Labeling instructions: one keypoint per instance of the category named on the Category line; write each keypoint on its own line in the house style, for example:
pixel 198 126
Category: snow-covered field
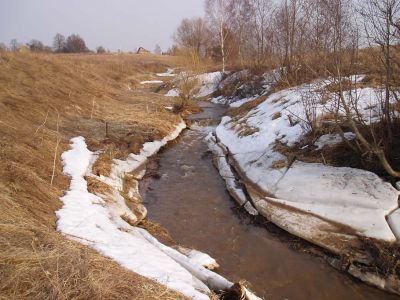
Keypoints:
pixel 100 221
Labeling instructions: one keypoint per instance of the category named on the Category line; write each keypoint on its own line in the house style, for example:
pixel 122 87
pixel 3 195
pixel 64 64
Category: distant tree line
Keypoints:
pixel 61 44
pixel 289 33
pixel 72 44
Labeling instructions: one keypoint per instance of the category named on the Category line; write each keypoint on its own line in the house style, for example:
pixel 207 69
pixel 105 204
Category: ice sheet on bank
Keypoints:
pixel 336 194
pixel 225 170
pixel 348 196
pixel 85 218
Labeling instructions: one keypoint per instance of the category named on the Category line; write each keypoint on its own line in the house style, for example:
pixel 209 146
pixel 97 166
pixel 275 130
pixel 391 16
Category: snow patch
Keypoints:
pixel 85 217
pixel 88 219
pixel 168 73
pixel 173 93
pixel 208 83
pixel 151 82
pixel 333 139
pixel 242 101
pixel 199 258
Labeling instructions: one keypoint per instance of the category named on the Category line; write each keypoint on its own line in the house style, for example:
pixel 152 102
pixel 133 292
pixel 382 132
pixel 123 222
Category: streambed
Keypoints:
pixel 189 199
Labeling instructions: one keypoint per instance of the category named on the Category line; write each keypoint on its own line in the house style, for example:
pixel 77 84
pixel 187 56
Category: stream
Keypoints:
pixel 189 199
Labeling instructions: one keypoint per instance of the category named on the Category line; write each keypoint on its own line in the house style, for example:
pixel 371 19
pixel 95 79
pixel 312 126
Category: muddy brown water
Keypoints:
pixel 189 199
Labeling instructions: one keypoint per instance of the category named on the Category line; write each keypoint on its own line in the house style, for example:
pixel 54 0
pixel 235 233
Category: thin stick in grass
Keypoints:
pixel 56 149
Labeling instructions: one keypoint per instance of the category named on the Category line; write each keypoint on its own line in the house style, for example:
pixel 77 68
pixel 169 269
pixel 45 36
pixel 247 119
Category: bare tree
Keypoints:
pixel 369 141
pixel 381 26
pixel 193 34
pixel 36 46
pixel 217 12
pixel 261 16
pixel 100 50
pixel 157 50
pixel 14 45
pixel 241 13
pixel 3 47
pixel 75 44
pixel 59 43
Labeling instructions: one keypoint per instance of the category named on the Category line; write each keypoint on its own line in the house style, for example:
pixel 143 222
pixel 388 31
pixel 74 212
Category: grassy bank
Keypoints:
pixel 44 101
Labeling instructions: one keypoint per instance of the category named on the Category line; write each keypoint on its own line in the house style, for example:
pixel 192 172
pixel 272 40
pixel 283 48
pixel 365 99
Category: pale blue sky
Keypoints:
pixel 115 24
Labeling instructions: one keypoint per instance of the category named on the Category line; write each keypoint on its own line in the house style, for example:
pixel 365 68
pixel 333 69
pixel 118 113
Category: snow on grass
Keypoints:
pixel 151 82
pixel 333 139
pixel 173 93
pixel 248 82
pixel 86 218
pixel 208 83
pixel 355 198
pixel 168 73
pixel 93 221
pixel 240 102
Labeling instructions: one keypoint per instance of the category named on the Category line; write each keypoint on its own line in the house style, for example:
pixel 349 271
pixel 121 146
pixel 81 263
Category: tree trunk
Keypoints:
pixel 221 29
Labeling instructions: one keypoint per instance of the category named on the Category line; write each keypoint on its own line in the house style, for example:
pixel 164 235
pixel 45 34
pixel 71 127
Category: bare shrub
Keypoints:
pixel 193 65
pixel 310 101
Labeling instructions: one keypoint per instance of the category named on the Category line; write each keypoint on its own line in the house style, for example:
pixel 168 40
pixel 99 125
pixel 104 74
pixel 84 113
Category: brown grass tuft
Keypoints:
pixel 98 187
pixel 158 231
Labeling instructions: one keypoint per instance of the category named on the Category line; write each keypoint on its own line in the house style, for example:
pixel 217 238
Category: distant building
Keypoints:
pixel 141 50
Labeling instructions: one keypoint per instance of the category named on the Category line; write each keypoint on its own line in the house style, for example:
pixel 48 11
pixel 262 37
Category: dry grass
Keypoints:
pixel 158 231
pixel 103 164
pixel 86 91
pixel 242 110
pixel 98 187
pixel 246 130
pixel 276 115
